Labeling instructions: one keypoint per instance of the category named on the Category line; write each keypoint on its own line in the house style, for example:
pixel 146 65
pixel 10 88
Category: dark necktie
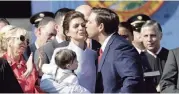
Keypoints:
pixel 100 55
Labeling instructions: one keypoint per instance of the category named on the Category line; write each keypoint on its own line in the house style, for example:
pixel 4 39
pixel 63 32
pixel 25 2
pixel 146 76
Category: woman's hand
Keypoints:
pixel 29 65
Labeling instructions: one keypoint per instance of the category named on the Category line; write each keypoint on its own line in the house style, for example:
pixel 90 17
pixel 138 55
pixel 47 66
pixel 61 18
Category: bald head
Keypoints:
pixel 85 10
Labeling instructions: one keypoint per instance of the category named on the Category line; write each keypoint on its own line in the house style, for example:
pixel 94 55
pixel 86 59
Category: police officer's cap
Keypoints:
pixel 138 20
pixel 36 18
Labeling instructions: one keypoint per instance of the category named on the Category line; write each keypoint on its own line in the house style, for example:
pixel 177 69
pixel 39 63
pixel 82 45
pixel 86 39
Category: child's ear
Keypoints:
pixel 68 66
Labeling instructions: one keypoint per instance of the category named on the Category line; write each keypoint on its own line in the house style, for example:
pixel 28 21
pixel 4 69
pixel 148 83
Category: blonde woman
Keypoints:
pixel 13 44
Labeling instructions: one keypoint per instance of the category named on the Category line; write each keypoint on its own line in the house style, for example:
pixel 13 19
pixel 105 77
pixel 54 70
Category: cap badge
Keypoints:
pixel 41 15
pixel 139 17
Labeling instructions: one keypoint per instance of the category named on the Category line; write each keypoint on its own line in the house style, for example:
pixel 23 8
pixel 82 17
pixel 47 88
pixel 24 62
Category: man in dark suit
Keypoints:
pixel 59 41
pixel 169 82
pixel 126 31
pixel 119 67
pixel 42 22
pixel 151 33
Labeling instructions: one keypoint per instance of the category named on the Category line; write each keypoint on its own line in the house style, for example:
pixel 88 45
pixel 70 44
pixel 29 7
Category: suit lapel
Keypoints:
pixel 106 51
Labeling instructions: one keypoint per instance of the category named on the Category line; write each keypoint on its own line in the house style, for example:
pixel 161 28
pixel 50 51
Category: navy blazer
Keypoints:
pixel 120 68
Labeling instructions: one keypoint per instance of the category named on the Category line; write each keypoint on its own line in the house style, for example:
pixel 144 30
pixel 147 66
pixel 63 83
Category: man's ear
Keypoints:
pixel 101 27
pixel 39 30
pixel 161 35
pixel 56 27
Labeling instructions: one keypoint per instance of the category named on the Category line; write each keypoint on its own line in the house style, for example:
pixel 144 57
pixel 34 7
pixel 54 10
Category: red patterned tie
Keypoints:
pixel 100 55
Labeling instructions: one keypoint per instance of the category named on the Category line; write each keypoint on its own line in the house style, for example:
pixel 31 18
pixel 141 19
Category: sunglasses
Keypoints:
pixel 22 38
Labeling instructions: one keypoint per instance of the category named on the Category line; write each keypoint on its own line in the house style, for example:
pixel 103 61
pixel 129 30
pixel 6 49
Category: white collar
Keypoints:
pixel 58 39
pixel 60 70
pixel 155 55
pixel 74 47
pixel 36 45
pixel 139 50
pixel 105 42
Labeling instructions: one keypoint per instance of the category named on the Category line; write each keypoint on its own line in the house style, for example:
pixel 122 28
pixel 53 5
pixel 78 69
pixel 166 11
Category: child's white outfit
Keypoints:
pixel 86 71
pixel 65 78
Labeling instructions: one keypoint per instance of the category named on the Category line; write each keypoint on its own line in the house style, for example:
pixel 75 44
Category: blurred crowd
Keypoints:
pixel 86 50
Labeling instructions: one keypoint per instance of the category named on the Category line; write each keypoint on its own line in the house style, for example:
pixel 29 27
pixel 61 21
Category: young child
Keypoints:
pixel 62 72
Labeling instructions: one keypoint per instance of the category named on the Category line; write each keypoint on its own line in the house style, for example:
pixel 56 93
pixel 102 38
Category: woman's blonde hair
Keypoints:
pixel 6 33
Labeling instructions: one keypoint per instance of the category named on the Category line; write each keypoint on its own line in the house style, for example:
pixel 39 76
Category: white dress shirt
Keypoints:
pixel 155 55
pixel 105 42
pixel 58 39
pixel 36 45
pixel 86 71
pixel 139 50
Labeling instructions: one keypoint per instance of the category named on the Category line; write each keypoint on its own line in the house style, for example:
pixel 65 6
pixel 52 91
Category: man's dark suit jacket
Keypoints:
pixel 169 82
pixel 8 81
pixel 47 50
pixel 148 81
pixel 30 48
pixel 95 45
pixel 120 68
pixel 157 64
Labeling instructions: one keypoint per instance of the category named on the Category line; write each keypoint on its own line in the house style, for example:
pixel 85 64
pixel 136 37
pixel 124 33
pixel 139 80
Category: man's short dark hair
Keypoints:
pixel 109 18
pixel 64 57
pixel 61 13
pixel 4 20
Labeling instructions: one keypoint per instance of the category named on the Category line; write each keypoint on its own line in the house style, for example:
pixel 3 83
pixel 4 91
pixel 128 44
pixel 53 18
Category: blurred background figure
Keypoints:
pixel 126 31
pixel 44 30
pixel 137 21
pixel 46 51
pixel 3 22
